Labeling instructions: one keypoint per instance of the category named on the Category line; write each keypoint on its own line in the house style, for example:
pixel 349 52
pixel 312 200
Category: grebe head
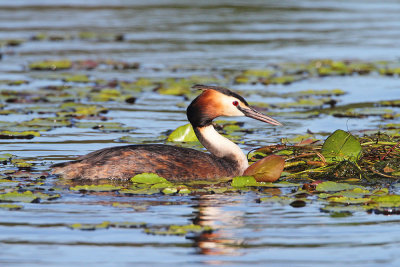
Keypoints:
pixel 217 101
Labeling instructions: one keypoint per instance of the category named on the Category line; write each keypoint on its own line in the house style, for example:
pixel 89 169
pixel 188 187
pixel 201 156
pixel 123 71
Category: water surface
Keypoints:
pixel 182 39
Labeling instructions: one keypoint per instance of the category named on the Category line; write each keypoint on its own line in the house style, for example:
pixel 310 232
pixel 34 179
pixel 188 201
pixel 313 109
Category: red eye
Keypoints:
pixel 235 103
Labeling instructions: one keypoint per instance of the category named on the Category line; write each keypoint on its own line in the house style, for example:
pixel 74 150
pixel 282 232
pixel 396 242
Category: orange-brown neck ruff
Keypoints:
pixel 208 105
pixel 201 112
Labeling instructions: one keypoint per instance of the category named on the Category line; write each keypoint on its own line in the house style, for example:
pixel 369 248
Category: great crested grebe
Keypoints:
pixel 175 163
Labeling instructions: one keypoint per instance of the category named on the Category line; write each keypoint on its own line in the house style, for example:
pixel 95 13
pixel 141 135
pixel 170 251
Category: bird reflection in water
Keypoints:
pixel 211 211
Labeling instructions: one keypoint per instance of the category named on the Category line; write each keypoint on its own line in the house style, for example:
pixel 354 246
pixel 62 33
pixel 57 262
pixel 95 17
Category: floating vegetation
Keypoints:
pixel 95 188
pixel 154 229
pixel 268 169
pixel 51 65
pixel 345 172
pixel 184 133
pixel 11 206
pixel 89 227
pixel 341 146
pixel 18 135
pixel 148 178
pixel 342 156
pixel 178 229
pixel 26 196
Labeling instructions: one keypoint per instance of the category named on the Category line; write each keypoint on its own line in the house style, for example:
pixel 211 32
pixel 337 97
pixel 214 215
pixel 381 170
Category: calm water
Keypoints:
pixel 202 38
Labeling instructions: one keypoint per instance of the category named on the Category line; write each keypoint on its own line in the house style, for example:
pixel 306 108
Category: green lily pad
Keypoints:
pixel 341 146
pixel 10 206
pixel 178 230
pixel 334 208
pixel 89 227
pixel 330 186
pixel 263 73
pixel 135 206
pixel 242 181
pixel 148 178
pixel 82 109
pixel 51 65
pixel 52 122
pixel 285 79
pixel 161 185
pixel 308 93
pixel 4 181
pixel 284 200
pixel 5 156
pixel 357 192
pixel 301 103
pixel 107 95
pixel 390 103
pixel 386 201
pixel 104 126
pixel 348 200
pixel 18 135
pixel 184 133
pixel 175 89
pixel 77 78
pixel 21 163
pixel 184 191
pixel 169 190
pixel 140 191
pixel 96 188
pixel 26 196
pixel 129 225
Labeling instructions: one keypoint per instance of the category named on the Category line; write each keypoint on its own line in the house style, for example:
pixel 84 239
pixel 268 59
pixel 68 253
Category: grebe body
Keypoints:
pixel 171 162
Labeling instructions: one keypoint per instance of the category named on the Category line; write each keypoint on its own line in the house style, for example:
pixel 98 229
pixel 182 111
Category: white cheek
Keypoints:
pixel 230 109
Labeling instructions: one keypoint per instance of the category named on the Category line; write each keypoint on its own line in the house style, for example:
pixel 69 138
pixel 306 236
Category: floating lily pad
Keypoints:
pixel 341 146
pixel 178 230
pixel 242 181
pixel 5 156
pixel 104 126
pixel 386 201
pixel 26 196
pixel 135 206
pixel 21 163
pixel 107 95
pixel 311 93
pixel 129 225
pixel 51 65
pixel 184 133
pixel 77 78
pixel 334 208
pixel 52 122
pixel 284 200
pixel 348 200
pixel 268 169
pixel 18 135
pixel 89 227
pixel 390 103
pixel 175 89
pixel 140 191
pixel 96 188
pixel 169 190
pixel 148 178
pixel 330 186
pixel 302 103
pixel 10 206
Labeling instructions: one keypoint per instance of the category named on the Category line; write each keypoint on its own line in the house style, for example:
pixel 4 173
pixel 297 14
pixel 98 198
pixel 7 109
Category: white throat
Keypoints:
pixel 221 146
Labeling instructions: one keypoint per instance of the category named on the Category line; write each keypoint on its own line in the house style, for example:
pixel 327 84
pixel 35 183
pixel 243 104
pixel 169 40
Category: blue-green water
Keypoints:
pixel 182 39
